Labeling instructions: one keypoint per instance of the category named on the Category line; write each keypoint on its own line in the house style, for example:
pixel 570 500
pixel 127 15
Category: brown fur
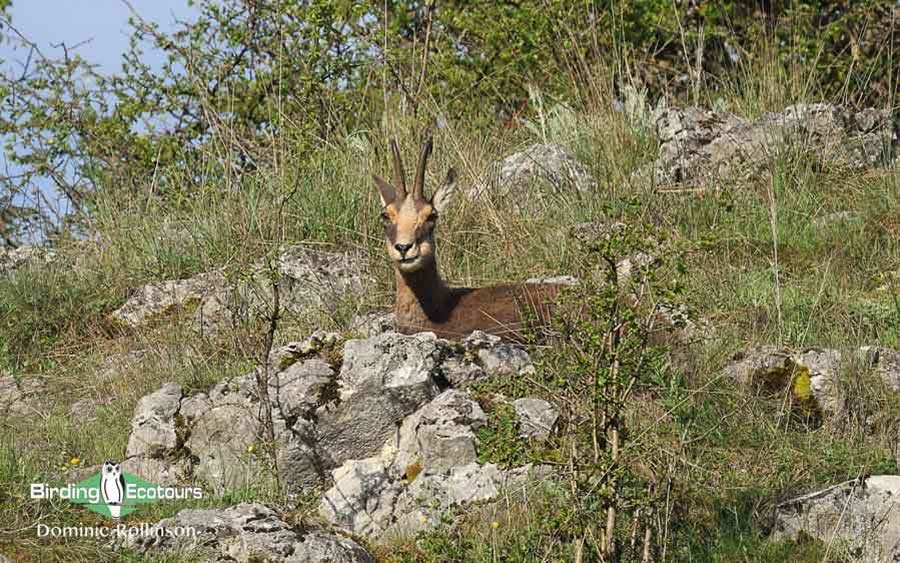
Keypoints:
pixel 424 301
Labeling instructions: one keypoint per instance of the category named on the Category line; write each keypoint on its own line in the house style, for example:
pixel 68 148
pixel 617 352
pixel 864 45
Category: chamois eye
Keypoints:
pixel 432 217
pixel 385 218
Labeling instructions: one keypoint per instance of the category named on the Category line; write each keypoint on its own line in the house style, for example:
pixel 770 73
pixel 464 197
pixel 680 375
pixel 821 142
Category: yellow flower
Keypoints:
pixel 75 461
pixel 495 524
pixel 250 449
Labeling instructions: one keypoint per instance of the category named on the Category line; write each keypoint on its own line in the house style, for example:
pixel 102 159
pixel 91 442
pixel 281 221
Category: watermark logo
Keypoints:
pixel 113 493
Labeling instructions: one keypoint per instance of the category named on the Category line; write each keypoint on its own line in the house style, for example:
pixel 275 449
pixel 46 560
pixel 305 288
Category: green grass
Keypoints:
pixel 730 454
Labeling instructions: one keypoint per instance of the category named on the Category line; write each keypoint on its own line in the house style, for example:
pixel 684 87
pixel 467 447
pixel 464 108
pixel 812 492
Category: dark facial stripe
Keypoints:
pixel 391 232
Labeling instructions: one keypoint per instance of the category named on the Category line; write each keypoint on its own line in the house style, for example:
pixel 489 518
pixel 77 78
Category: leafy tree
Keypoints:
pixel 246 79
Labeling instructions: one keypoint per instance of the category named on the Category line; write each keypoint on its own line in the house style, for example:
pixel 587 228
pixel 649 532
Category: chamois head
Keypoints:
pixel 409 218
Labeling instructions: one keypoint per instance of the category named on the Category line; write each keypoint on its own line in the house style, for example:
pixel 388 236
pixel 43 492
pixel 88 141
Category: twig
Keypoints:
pixel 262 372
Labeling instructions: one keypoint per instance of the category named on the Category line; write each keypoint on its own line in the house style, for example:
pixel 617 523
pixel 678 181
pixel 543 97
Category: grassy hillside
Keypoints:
pixel 763 260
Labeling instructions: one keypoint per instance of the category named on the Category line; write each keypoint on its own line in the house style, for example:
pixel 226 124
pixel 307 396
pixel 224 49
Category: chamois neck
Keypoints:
pixel 424 287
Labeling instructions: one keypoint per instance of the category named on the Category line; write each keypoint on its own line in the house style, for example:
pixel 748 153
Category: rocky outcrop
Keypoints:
pixel 812 377
pixel 366 501
pixel 19 397
pixel 436 438
pixel 372 324
pixel 428 470
pixel 321 418
pixel 247 532
pixel 12 259
pixel 309 280
pixel 392 437
pixel 153 424
pixel 537 169
pixel 156 299
pixel 859 518
pixel 216 436
pixel 395 448
pixel 702 146
pixel 383 380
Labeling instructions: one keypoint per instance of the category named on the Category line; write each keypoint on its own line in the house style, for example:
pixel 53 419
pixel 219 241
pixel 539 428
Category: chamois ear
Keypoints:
pixel 385 190
pixel 443 194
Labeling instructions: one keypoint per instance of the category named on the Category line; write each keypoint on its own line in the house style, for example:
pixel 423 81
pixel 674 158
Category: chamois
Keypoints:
pixel 424 301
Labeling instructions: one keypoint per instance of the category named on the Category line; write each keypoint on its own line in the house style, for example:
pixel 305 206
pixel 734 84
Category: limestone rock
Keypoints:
pixel 153 424
pixel 362 498
pixel 382 380
pixel 19 397
pixel 301 388
pixel 765 366
pixel 320 547
pixel 225 427
pixel 429 499
pixel 438 437
pixel 159 298
pixel 861 515
pixel 809 376
pixel 284 356
pixel 222 430
pixel 221 440
pixel 460 371
pixel 245 533
pixel 317 279
pixel 301 463
pixel 365 501
pixel 310 281
pixel 703 146
pixel 885 362
pixel 372 324
pixel 497 356
pixel 12 259
pixel 429 468
pixel 550 166
pixel 154 439
pixel 537 417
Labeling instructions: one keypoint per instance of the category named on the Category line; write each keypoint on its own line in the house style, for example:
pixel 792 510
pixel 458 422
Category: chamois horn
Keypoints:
pixel 419 186
pixel 399 174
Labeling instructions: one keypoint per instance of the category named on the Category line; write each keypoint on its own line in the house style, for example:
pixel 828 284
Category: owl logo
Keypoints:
pixel 112 486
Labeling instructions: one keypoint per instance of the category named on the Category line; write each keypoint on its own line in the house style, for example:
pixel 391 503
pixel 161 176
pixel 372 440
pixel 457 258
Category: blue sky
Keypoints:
pixel 103 22
pixel 99 26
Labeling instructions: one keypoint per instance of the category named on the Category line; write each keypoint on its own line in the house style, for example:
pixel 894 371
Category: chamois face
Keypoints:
pixel 409 219
pixel 409 232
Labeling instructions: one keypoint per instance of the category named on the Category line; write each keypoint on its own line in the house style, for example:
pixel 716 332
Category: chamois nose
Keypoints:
pixel 402 248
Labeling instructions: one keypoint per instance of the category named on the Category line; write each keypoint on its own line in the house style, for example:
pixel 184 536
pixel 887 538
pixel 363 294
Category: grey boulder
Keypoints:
pixel 537 417
pixel 382 380
pixel 247 532
pixel 861 515
pixel 539 168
